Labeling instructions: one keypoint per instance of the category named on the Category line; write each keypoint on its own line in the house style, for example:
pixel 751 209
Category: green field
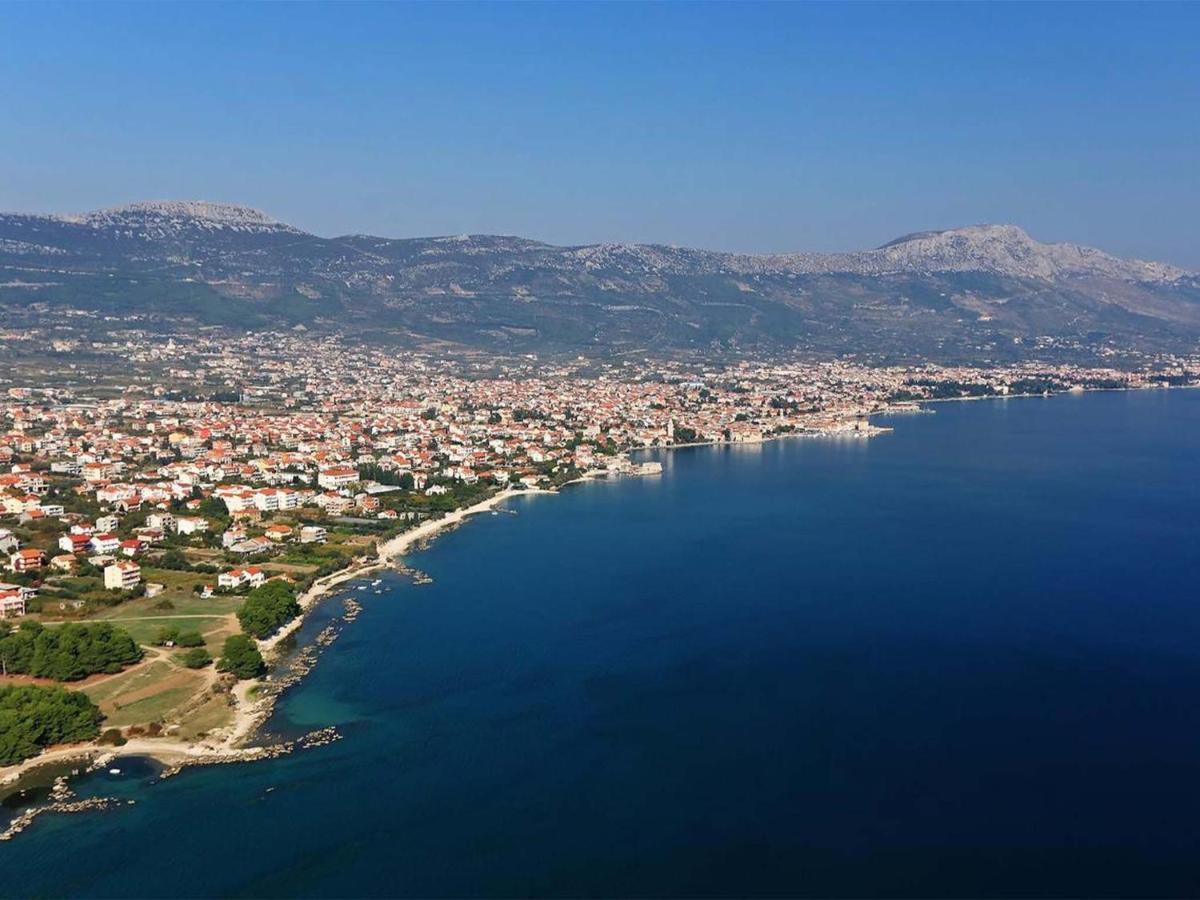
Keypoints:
pixel 151 708
pixel 145 629
pixel 146 694
pixel 187 605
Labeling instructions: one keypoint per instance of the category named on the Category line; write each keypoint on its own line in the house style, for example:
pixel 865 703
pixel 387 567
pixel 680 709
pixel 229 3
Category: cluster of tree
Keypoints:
pixel 372 472
pixel 267 607
pixel 685 435
pixel 194 397
pixel 1034 386
pixel 323 555
pixel 1172 380
pixel 171 634
pixel 82 504
pixel 213 508
pixel 329 567
pixel 942 390
pixel 240 657
pixel 33 718
pixel 68 652
pixel 458 494
pixel 174 559
pixel 1116 384
pixel 520 414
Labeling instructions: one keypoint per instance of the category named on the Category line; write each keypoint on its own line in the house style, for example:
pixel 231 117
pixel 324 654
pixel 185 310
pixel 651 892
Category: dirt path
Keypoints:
pixel 156 618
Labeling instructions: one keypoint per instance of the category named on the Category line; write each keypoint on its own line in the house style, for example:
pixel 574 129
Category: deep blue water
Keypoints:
pixel 961 658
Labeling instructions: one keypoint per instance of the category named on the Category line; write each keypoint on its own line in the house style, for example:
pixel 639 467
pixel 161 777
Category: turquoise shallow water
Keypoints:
pixel 961 658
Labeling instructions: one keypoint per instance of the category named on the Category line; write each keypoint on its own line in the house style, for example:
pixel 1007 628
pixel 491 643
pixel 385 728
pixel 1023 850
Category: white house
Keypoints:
pixel 8 541
pixel 313 534
pixel 191 525
pixel 105 543
pixel 12 604
pixel 122 576
pixel 232 536
pixel 338 476
pixel 236 498
pixel 271 499
pixel 234 578
pixel 160 520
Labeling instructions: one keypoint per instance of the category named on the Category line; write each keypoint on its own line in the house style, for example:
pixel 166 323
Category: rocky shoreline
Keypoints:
pixel 255 700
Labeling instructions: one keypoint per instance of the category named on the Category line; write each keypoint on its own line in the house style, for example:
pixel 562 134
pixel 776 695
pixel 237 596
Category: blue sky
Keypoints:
pixel 745 127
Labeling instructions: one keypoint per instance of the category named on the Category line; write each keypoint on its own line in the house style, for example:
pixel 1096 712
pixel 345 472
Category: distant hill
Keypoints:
pixel 985 291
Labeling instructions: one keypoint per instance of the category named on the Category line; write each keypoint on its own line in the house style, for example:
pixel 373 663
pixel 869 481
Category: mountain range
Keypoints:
pixel 980 292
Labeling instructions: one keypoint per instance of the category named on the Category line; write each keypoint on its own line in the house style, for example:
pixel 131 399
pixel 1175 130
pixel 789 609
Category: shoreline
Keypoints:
pixel 398 545
pixel 251 712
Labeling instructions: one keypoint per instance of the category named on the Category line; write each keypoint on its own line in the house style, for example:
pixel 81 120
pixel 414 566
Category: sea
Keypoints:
pixel 959 658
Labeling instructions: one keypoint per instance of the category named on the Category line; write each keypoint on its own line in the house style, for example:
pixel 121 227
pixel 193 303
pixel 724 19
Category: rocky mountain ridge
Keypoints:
pixel 975 290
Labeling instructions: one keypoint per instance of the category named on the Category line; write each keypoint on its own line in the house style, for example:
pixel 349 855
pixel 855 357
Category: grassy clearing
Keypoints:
pixel 179 585
pixel 214 636
pixel 288 568
pixel 132 680
pixel 147 694
pixel 160 689
pixel 152 708
pixel 204 555
pixel 187 605
pixel 145 629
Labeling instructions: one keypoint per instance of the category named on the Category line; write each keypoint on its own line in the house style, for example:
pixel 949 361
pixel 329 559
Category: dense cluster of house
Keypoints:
pixel 317 426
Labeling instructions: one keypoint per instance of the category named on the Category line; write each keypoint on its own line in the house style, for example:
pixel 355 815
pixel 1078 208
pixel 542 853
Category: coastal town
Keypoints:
pixel 171 506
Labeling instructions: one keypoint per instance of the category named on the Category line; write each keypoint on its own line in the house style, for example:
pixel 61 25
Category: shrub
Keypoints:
pixel 241 658
pixel 196 658
pixel 112 736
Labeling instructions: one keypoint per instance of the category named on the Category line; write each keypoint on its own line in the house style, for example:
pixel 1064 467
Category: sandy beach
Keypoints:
pixel 400 544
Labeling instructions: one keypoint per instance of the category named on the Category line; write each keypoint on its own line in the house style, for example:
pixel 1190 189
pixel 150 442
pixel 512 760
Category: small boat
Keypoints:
pixel 114 771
